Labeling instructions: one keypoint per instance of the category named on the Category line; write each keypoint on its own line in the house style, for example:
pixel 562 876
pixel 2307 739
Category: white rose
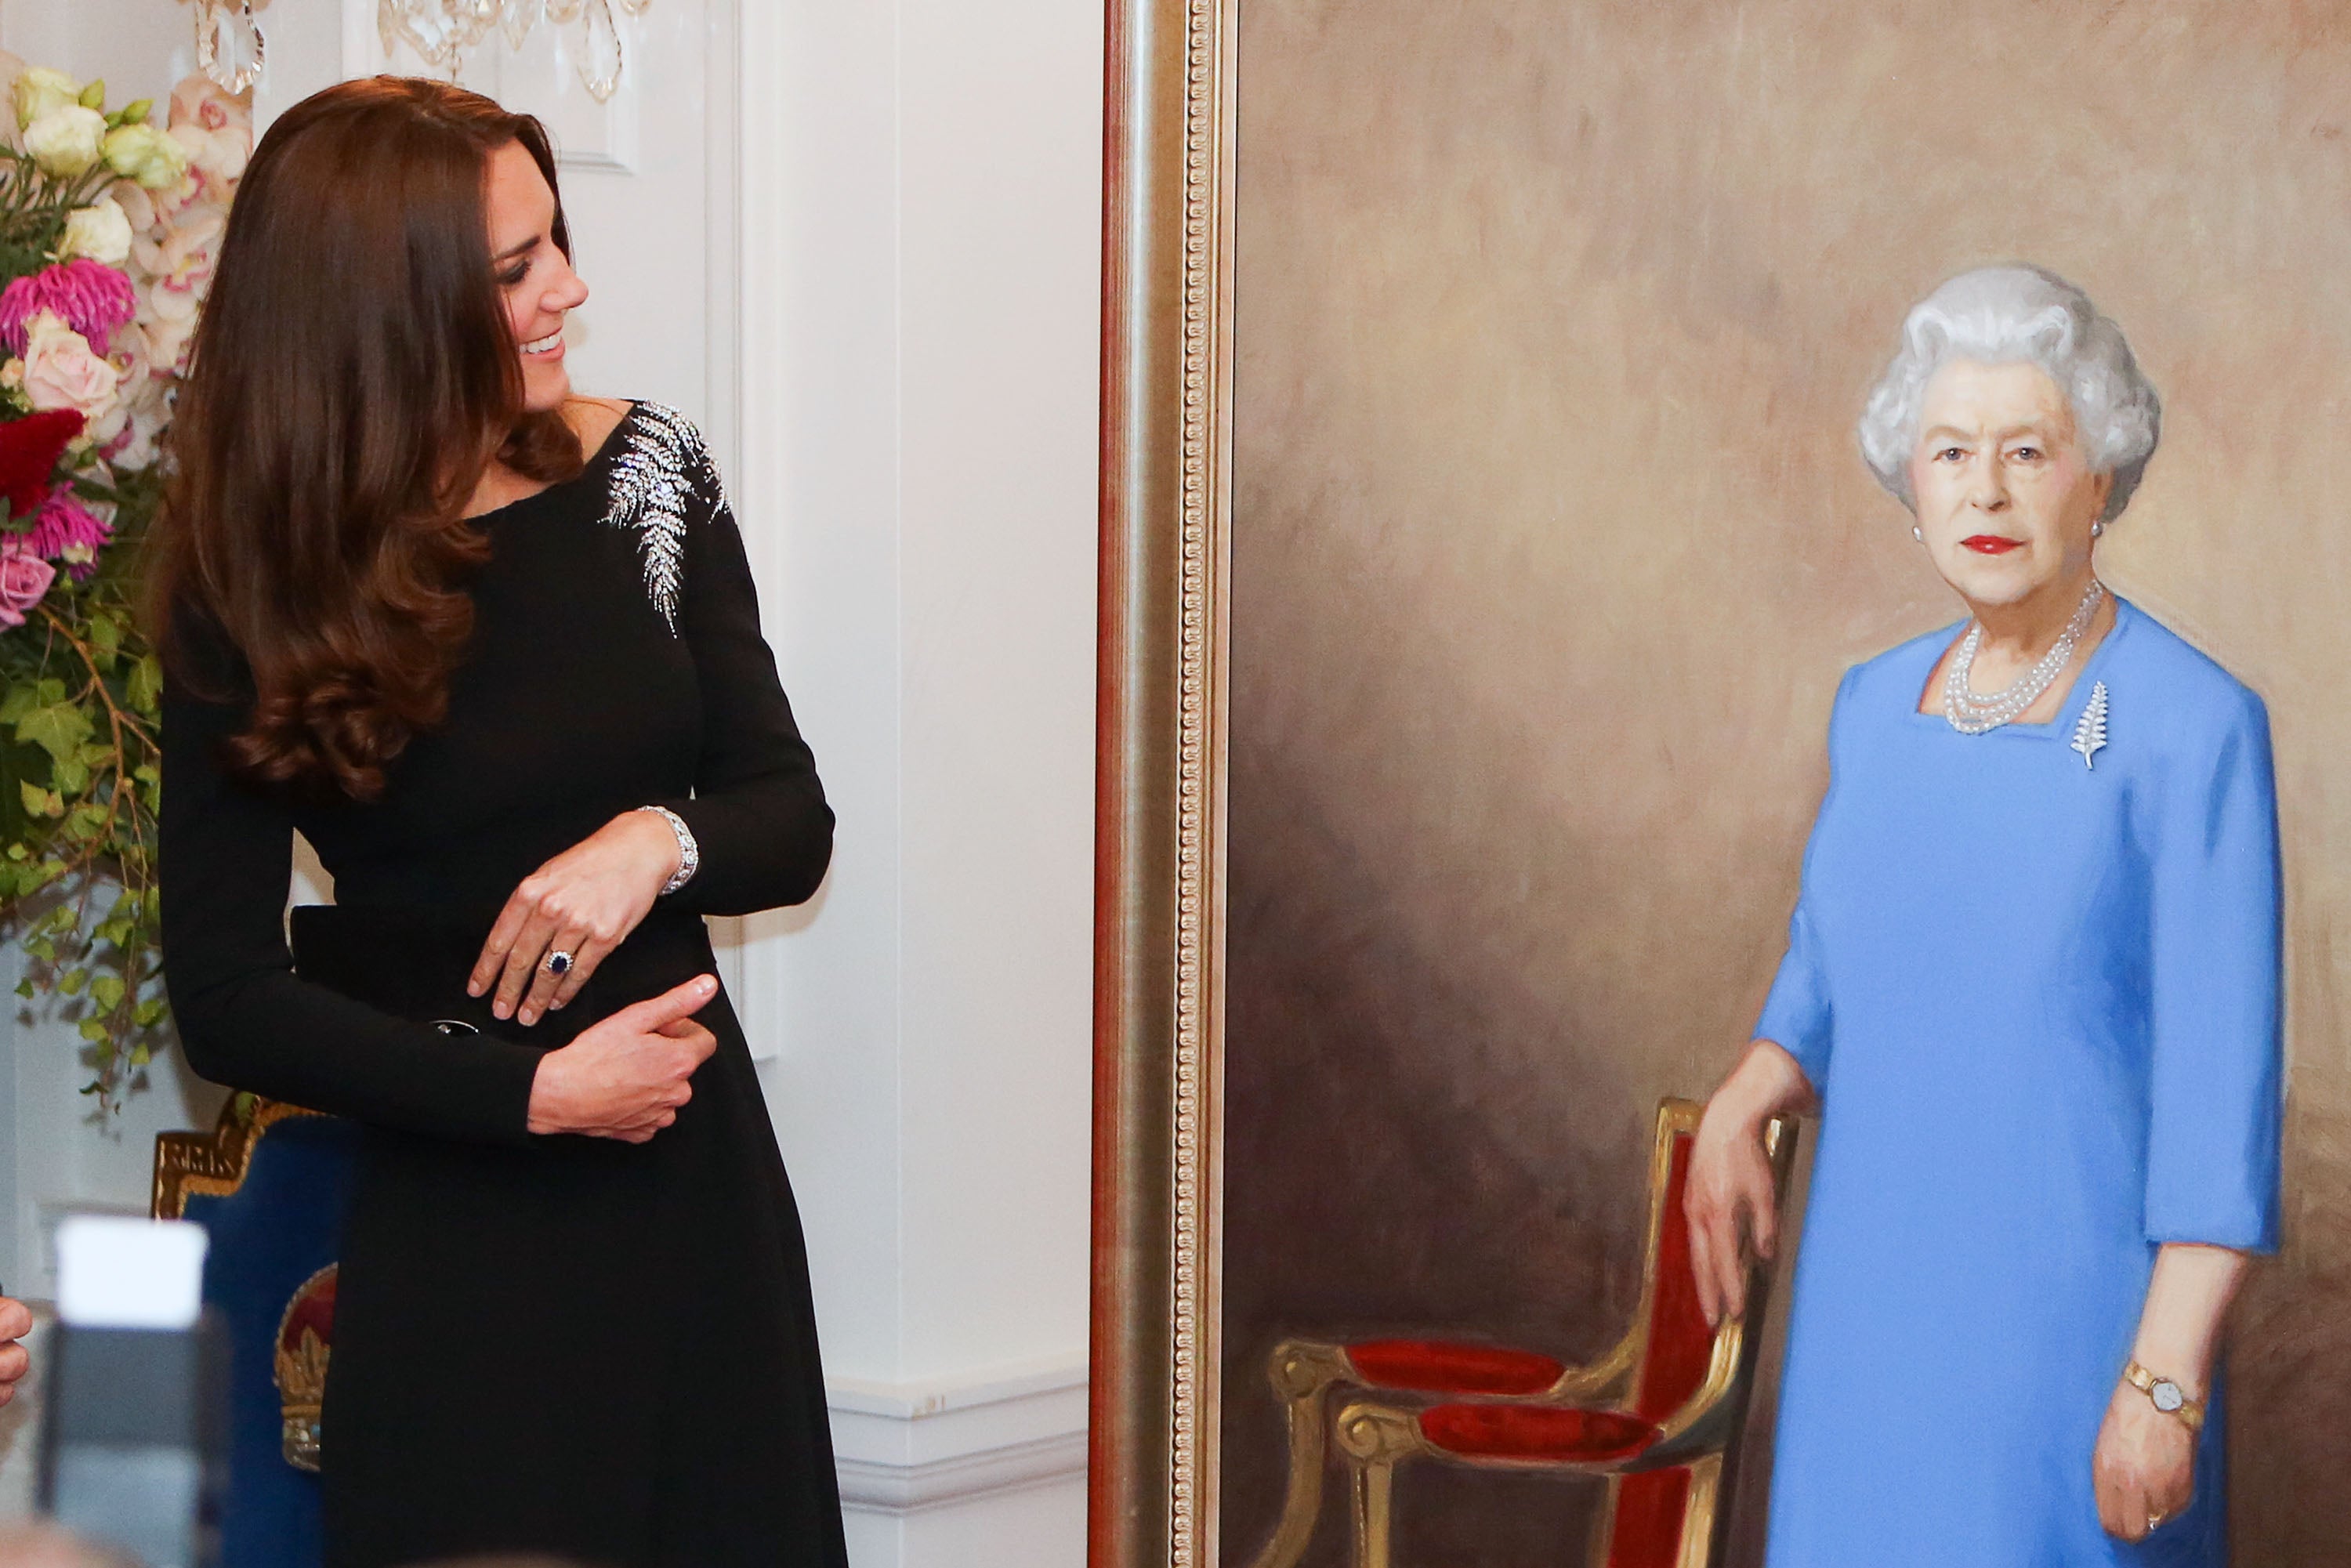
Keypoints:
pixel 39 90
pixel 66 142
pixel 61 369
pixel 100 231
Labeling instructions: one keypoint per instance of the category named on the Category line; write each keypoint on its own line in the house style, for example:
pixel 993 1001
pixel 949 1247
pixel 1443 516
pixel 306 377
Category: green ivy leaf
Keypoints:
pixel 145 686
pixel 72 980
pixel 37 799
pixel 147 1014
pixel 93 1030
pixel 24 988
pixel 48 690
pixel 58 729
pixel 71 775
pixel 19 702
pixel 106 991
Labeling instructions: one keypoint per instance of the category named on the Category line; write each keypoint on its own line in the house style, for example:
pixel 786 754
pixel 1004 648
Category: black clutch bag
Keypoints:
pixel 414 966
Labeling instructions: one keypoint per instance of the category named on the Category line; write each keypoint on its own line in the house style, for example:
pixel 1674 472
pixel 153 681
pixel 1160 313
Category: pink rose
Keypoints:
pixel 23 580
pixel 61 371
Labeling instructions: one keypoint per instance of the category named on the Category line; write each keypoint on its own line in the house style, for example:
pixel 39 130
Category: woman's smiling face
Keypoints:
pixel 2005 497
pixel 535 277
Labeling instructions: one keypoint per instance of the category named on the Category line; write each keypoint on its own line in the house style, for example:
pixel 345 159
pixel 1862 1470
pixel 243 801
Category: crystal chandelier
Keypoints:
pixel 229 45
pixel 441 31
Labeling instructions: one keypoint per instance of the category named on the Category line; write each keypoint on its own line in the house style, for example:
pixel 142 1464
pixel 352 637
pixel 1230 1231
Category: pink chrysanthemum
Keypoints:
pixel 89 295
pixel 68 531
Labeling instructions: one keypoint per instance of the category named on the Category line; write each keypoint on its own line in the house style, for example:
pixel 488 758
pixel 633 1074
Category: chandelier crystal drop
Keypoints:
pixel 441 31
pixel 229 46
pixel 1973 713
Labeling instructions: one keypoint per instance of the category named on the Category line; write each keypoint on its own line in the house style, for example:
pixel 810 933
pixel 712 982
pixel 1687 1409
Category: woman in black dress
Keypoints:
pixel 494 650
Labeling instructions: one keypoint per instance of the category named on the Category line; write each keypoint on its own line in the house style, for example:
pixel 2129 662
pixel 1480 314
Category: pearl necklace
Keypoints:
pixel 1972 714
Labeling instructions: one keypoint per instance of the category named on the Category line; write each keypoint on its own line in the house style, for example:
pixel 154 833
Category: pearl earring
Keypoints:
pixel 1917 533
pixel 2097 529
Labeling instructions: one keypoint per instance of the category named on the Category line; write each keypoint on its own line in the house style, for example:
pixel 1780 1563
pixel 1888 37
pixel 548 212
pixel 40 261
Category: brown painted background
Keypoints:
pixel 1552 542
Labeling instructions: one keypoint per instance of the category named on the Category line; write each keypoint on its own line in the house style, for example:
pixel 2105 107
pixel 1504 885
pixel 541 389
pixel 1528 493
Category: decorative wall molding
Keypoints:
pixel 910 1446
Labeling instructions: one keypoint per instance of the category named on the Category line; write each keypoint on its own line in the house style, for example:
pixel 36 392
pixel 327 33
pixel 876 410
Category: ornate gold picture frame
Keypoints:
pixel 1166 393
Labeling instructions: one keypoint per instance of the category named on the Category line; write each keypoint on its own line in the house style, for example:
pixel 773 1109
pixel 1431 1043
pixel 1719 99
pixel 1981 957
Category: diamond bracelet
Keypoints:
pixel 689 854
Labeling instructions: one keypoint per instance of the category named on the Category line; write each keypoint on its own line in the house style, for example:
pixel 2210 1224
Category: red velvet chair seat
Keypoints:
pixel 1442 1366
pixel 1536 1433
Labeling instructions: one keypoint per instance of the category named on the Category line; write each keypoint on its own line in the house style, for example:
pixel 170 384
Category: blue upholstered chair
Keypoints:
pixel 269 1184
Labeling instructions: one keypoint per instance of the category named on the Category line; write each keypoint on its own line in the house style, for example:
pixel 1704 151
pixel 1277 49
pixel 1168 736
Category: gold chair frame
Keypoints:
pixel 213 1164
pixel 1380 1431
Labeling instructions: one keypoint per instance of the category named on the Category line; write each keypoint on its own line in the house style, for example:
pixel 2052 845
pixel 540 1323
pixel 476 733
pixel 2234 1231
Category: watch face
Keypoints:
pixel 2167 1395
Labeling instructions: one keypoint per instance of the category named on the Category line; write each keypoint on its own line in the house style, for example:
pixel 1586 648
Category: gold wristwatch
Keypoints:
pixel 2165 1395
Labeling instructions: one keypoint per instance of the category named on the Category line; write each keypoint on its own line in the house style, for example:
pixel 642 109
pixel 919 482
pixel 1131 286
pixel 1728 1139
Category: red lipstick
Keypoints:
pixel 1991 544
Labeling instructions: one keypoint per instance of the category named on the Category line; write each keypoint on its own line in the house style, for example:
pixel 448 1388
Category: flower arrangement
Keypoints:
pixel 108 225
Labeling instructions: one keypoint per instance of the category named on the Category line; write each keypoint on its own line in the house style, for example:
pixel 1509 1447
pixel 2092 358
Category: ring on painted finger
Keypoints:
pixel 558 962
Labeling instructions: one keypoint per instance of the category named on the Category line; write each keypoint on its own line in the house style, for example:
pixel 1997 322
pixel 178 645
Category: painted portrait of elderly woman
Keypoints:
pixel 1745 563
pixel 2042 886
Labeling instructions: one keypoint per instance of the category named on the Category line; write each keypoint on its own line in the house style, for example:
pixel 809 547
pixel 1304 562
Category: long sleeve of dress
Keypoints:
pixel 2214 1088
pixel 245 1019
pixel 759 812
pixel 1796 1015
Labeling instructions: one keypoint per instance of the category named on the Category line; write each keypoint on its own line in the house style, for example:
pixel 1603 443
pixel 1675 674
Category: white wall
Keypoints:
pixel 904 208
pixel 919 328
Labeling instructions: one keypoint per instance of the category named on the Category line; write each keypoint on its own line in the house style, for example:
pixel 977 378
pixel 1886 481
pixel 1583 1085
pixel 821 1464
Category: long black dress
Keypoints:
pixel 559 1344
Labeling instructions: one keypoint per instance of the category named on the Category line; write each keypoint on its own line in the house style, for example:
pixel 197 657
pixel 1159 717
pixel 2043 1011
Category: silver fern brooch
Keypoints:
pixel 662 477
pixel 2090 734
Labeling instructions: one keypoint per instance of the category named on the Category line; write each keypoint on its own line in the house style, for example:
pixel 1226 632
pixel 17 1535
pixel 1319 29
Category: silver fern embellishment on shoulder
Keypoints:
pixel 662 479
pixel 2090 734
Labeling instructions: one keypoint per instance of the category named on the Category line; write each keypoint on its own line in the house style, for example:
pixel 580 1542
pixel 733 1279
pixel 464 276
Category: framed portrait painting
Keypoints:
pixel 1516 429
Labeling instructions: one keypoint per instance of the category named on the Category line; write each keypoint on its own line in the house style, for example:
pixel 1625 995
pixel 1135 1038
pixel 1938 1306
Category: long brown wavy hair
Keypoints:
pixel 353 378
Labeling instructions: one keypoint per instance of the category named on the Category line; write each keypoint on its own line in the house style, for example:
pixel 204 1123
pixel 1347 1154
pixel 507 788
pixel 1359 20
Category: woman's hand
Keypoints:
pixel 625 1076
pixel 16 1323
pixel 1729 1199
pixel 585 902
pixel 2145 1471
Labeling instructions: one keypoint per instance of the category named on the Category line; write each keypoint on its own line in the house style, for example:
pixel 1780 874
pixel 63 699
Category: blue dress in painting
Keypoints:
pixel 2039 997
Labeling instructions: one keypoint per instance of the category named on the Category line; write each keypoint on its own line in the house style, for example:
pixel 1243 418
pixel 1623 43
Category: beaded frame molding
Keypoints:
pixel 1160 799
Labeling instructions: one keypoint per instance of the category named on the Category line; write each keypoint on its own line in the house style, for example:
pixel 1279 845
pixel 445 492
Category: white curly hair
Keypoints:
pixel 2018 315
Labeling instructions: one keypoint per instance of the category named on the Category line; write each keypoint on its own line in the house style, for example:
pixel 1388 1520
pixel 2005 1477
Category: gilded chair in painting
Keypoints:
pixel 1657 1417
pixel 268 1185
